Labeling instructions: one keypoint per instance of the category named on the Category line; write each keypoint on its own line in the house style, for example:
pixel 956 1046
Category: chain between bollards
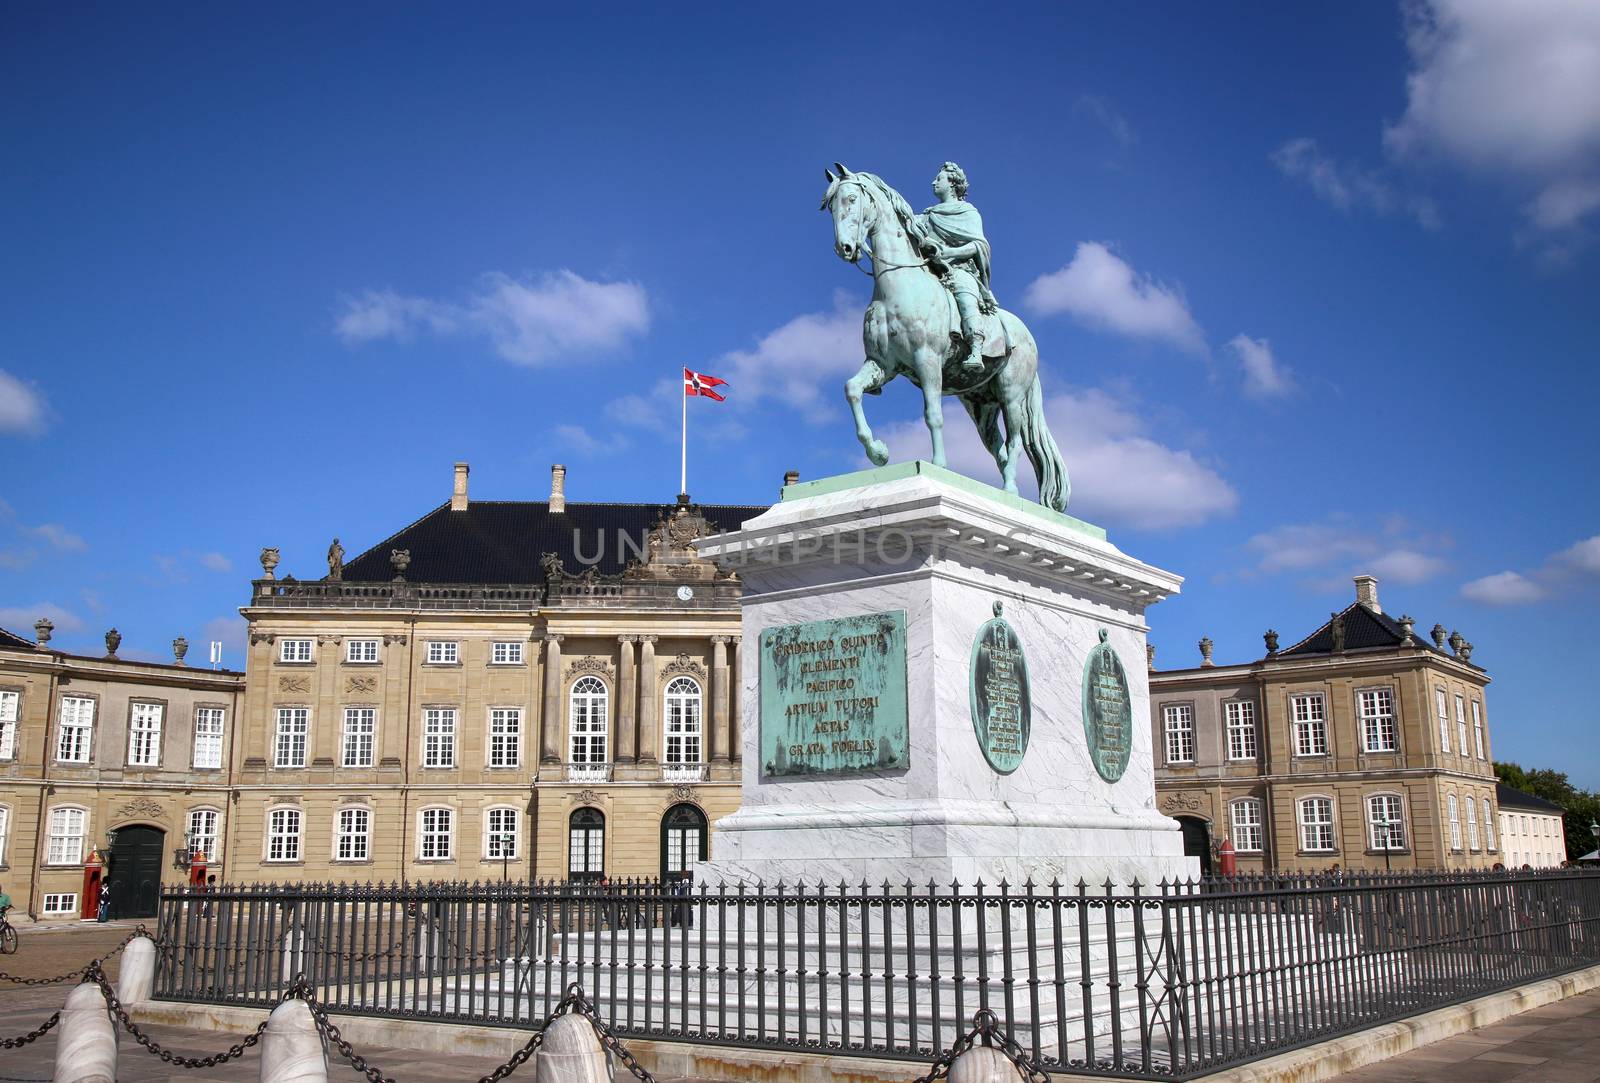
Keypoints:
pixel 987 1029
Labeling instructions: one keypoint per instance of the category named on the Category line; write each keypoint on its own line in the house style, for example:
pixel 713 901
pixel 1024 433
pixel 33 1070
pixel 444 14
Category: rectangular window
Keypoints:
pixel 283 834
pixel 1472 824
pixel 353 841
pixel 208 736
pixel 1477 729
pixel 1488 825
pixel 295 650
pixel 203 833
pixel 1179 719
pixel 144 735
pixel 61 903
pixel 507 652
pixel 67 827
pixel 1316 824
pixel 586 850
pixel 1245 817
pixel 437 828
pixel 360 734
pixel 10 708
pixel 1310 715
pixel 5 832
pixel 505 736
pixel 1376 708
pixel 1461 726
pixel 1386 826
pixel 361 651
pixel 500 842
pixel 1455 822
pixel 77 730
pixel 1241 714
pixel 443 653
pixel 439 737
pixel 289 744
pixel 1441 707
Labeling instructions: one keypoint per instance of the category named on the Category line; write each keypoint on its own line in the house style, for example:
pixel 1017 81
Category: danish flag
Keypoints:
pixel 698 383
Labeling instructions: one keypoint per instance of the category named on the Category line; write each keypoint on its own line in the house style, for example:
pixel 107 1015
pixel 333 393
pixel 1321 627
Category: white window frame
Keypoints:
pixel 502 841
pixel 507 652
pixel 352 833
pixel 74 731
pixel 353 738
pixel 291 736
pixel 208 745
pixel 1461 725
pixel 436 833
pixel 439 728
pixel 1394 810
pixel 283 846
pixel 1241 726
pixel 1177 725
pixel 1380 730
pixel 1472 823
pixel 5 832
pixel 1310 726
pixel 1454 815
pixel 1488 825
pixel 1441 707
pixel 1477 729
pixel 1246 832
pixel 357 651
pixel 205 840
pixel 592 857
pixel 683 719
pixel 1313 832
pixel 145 721
pixel 505 737
pixel 297 651
pixel 589 721
pixel 443 652
pixel 54 906
pixel 63 845
pixel 10 715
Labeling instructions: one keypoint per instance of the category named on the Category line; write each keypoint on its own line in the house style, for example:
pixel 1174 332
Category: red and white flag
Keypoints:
pixel 698 383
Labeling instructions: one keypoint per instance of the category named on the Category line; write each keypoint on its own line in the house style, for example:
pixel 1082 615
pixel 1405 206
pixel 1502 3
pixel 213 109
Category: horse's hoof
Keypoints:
pixel 878 452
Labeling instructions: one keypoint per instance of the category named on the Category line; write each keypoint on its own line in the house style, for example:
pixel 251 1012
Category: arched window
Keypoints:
pixel 586 844
pixel 500 833
pixel 1455 822
pixel 1488 825
pixel 436 834
pixel 5 832
pixel 1386 822
pixel 68 827
pixel 352 837
pixel 1316 824
pixel 283 834
pixel 1472 823
pixel 683 841
pixel 682 717
pixel 1245 821
pixel 588 709
pixel 203 832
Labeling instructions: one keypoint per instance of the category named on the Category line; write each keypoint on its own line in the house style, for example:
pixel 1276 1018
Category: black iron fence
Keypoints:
pixel 1163 984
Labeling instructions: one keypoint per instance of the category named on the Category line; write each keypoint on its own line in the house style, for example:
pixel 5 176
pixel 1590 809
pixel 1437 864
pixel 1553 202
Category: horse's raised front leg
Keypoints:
pixel 929 368
pixel 870 377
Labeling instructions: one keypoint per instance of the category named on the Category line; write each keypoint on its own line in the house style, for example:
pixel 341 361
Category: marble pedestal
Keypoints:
pixel 943 549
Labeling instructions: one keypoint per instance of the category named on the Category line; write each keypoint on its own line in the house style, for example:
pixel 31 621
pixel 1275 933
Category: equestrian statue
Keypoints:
pixel 934 320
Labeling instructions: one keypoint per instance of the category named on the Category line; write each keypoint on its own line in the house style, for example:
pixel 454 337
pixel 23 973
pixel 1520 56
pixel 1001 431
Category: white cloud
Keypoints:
pixel 530 321
pixel 805 362
pixel 1100 289
pixel 1105 114
pixel 19 619
pixel 1405 566
pixel 1119 475
pixel 229 631
pixel 1346 185
pixel 1387 550
pixel 577 438
pixel 1265 377
pixel 23 411
pixel 1503 588
pixel 215 562
pixel 57 537
pixel 1511 89
pixel 1584 555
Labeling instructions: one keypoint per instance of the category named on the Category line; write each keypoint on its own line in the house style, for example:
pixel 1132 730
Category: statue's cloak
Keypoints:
pixel 955 223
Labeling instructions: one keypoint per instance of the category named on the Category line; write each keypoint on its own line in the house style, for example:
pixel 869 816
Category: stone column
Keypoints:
pixel 627 709
pixel 735 684
pixel 718 745
pixel 550 717
pixel 649 728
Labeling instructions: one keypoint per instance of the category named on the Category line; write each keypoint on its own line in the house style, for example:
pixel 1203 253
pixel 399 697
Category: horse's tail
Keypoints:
pixel 1055 489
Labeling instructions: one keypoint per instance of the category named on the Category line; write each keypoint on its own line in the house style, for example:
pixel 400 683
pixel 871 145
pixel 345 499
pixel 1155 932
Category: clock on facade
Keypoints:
pixel 685 592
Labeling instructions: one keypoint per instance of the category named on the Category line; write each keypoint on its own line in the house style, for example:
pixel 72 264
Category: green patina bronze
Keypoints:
pixel 1002 705
pixel 1107 711
pixel 833 696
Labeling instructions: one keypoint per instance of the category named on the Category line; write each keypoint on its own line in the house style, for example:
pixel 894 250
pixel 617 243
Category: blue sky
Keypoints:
pixel 1314 290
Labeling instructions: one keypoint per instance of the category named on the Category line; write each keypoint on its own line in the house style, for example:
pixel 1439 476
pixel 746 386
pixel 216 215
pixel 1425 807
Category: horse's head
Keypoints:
pixel 855 211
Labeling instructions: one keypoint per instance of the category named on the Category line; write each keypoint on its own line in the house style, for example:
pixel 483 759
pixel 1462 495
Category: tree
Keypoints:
pixel 1582 807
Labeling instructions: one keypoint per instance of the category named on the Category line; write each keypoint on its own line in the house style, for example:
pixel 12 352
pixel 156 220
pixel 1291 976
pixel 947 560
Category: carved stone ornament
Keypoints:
pixel 391 640
pixel 113 641
pixel 682 791
pixel 180 647
pixel 1438 634
pixel 585 797
pixel 400 560
pixel 1271 638
pixel 141 808
pixel 683 665
pixel 262 637
pixel 591 664
pixel 1182 802
pixel 1206 647
pixel 360 685
pixel 294 683
pixel 269 561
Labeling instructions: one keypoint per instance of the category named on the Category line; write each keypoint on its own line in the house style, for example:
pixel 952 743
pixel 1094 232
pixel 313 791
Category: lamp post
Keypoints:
pixel 1388 839
pixel 1594 829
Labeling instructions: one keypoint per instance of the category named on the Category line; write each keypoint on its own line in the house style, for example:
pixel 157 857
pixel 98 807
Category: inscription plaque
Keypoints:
pixel 833 696
pixel 1107 711
pixel 1002 707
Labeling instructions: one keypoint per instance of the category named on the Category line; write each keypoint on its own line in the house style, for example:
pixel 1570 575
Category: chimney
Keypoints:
pixel 558 489
pixel 790 477
pixel 458 491
pixel 1367 592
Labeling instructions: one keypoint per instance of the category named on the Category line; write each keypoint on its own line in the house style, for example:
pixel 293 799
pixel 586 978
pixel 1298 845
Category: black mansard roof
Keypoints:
pixel 502 541
pixel 15 642
pixel 1365 629
pixel 1508 797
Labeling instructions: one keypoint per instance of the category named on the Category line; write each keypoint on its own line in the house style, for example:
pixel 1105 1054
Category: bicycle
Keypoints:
pixel 8 935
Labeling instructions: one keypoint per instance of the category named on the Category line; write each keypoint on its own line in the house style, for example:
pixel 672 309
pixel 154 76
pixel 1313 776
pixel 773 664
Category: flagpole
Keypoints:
pixel 683 449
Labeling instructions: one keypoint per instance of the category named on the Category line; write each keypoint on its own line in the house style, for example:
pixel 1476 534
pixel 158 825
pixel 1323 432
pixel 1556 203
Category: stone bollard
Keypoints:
pixel 985 1064
pixel 86 1049
pixel 571 1053
pixel 138 972
pixel 292 1049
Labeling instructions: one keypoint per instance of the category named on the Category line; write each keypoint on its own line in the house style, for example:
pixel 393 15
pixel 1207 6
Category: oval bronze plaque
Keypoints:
pixel 1002 711
pixel 1107 711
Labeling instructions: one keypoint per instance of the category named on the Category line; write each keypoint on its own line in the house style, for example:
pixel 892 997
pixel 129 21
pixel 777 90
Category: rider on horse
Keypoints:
pixel 950 234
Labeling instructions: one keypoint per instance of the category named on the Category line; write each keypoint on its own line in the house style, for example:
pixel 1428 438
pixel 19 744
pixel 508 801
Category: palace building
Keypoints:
pixel 1363 745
